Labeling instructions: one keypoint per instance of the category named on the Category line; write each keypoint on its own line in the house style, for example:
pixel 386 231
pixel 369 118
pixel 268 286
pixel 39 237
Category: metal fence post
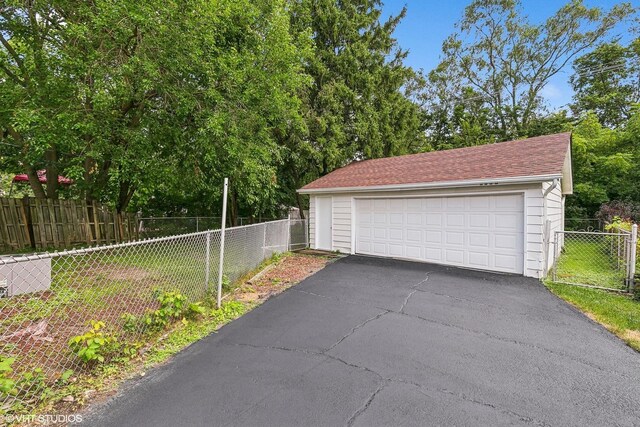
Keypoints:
pixel 555 256
pixel 631 266
pixel 207 263
pixel 264 242
pixel 222 231
pixel 288 246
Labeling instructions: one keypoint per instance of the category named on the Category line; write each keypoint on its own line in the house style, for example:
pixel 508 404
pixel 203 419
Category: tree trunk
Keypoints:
pixel 51 158
pixel 233 208
pixel 125 194
pixel 35 183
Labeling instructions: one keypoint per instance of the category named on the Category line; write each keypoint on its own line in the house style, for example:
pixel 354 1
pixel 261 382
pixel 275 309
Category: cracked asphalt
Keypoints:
pixel 369 341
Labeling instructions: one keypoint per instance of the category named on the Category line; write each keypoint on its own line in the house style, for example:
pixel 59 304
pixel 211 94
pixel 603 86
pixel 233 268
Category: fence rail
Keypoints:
pixel 31 223
pixel 605 260
pixel 150 227
pixel 50 297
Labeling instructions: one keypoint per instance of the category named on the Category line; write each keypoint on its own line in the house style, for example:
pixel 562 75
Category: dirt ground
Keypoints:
pixel 275 278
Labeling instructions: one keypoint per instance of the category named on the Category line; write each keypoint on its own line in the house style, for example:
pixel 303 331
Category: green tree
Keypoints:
pixel 149 100
pixel 507 61
pixel 359 103
pixel 607 81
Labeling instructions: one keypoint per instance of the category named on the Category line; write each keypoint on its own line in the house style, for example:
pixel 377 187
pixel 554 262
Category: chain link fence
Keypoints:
pixel 48 298
pixel 153 227
pixel 595 259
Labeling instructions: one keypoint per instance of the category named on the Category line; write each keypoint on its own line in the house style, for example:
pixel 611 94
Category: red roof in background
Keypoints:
pixel 42 177
pixel 541 155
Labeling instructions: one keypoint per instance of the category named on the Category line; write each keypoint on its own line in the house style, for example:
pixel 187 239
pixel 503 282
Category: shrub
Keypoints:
pixel 130 323
pixel 7 385
pixel 196 309
pixel 172 306
pixel 93 345
pixel 627 211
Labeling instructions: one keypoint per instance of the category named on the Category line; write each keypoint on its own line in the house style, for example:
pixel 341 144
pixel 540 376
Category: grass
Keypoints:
pixel 617 312
pixel 589 263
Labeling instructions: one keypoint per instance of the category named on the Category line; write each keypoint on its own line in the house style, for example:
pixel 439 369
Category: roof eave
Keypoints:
pixel 434 185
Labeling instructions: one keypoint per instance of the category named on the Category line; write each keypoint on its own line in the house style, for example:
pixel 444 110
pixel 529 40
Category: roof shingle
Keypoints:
pixel 541 155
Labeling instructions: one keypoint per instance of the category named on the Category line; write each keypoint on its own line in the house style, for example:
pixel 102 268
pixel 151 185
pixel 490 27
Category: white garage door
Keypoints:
pixel 483 232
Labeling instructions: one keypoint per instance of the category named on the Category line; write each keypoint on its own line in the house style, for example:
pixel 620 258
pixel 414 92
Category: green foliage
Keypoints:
pixel 196 309
pixel 607 82
pixel 131 322
pixel 490 82
pixel 229 311
pixel 172 307
pixel 94 345
pixel 7 384
pixel 606 164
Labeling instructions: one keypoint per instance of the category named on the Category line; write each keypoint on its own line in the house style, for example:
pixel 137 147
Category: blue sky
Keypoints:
pixel 429 22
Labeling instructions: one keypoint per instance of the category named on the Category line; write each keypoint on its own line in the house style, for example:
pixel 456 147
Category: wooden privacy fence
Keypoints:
pixel 42 224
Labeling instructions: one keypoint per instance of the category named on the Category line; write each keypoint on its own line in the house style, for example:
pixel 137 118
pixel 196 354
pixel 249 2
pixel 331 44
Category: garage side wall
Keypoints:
pixel 312 222
pixel 555 216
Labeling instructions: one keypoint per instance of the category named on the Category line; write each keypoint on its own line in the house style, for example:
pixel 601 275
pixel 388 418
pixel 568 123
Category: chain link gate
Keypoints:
pixel 605 260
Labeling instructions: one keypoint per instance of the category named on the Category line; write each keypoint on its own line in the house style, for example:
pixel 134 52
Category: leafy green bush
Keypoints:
pixel 94 345
pixel 7 384
pixel 196 309
pixel 172 306
pixel 130 323
pixel 228 311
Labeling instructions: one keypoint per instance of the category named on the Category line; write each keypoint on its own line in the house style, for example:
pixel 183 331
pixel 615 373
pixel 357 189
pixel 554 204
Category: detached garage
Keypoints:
pixel 491 207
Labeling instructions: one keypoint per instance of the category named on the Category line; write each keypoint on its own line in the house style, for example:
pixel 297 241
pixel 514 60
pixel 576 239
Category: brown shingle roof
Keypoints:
pixel 541 155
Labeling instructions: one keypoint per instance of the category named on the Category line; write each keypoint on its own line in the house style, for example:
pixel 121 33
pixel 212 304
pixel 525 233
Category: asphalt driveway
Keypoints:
pixel 367 341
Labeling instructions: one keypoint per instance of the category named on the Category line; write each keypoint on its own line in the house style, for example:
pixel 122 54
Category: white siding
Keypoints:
pixel 312 222
pixel 343 204
pixel 342 223
pixel 533 232
pixel 555 216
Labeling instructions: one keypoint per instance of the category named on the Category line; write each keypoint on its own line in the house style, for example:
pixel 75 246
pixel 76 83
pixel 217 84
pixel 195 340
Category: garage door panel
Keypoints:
pixel 380 233
pixel 380 204
pixel 396 218
pixel 508 222
pixel 414 218
pixel 479 203
pixel 433 219
pixel 455 202
pixel 414 252
pixel 506 241
pixel 414 235
pixel 454 238
pixel 454 256
pixel 455 220
pixel 433 237
pixel 395 234
pixel 433 254
pixel 506 262
pixel 483 232
pixel 479 240
pixel 479 220
pixel 396 250
pixel 479 259
pixel 364 232
pixel 379 248
pixel 432 203
pixel 513 203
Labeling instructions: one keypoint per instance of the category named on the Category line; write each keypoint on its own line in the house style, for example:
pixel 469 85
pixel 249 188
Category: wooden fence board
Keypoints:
pixel 43 224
